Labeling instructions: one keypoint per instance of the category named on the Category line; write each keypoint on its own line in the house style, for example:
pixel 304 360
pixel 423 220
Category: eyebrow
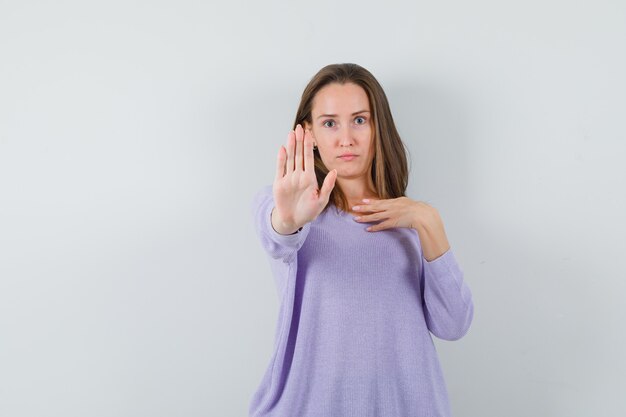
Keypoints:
pixel 334 115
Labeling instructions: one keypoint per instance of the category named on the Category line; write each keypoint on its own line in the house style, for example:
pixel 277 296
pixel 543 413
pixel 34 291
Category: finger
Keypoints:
pixel 328 185
pixel 363 208
pixel 309 163
pixel 370 217
pixel 370 206
pixel 379 226
pixel 280 163
pixel 299 146
pixel 291 139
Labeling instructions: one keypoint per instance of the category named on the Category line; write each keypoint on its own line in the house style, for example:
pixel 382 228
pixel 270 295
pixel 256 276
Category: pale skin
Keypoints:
pixel 341 123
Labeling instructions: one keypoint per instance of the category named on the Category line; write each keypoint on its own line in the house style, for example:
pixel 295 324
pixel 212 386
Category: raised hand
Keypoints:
pixel 297 198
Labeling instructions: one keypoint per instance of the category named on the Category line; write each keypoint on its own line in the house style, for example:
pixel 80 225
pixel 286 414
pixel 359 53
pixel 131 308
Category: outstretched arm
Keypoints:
pixel 282 212
pixel 277 245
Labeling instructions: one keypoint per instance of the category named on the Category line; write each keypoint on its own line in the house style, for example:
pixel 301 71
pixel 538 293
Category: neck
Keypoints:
pixel 356 189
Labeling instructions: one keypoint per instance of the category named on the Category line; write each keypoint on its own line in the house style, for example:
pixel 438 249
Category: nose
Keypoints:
pixel 345 136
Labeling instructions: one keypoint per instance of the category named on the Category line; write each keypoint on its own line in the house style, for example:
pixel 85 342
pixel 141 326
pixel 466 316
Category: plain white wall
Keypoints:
pixel 133 135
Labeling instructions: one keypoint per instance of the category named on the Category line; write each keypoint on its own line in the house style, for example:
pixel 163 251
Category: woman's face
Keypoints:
pixel 341 123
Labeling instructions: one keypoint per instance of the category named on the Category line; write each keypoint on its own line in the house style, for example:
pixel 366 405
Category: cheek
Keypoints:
pixel 326 155
pixel 323 141
pixel 366 137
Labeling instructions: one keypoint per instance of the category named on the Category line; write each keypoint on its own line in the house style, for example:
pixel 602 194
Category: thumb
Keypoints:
pixel 328 185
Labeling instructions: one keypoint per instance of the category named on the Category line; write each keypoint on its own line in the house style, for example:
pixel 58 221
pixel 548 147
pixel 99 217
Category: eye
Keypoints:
pixel 360 120
pixel 328 121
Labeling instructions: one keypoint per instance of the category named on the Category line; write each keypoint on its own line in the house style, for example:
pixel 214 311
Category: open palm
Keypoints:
pixel 297 198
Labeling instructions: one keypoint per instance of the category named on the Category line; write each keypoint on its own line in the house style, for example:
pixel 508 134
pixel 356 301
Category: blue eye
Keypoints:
pixel 362 118
pixel 328 121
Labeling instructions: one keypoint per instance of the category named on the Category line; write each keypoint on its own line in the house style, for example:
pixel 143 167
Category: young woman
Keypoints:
pixel 364 274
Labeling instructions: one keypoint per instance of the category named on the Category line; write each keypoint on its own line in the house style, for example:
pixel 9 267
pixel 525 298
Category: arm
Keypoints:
pixel 447 299
pixel 279 226
pixel 277 245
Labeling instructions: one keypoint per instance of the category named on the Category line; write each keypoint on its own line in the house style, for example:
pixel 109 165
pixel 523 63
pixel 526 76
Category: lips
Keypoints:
pixel 347 155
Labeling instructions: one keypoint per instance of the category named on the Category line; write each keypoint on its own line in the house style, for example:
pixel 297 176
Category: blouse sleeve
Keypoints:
pixel 277 246
pixel 448 305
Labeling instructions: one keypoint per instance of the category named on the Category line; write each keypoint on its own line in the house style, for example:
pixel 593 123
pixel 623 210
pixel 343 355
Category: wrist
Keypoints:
pixel 281 227
pixel 416 223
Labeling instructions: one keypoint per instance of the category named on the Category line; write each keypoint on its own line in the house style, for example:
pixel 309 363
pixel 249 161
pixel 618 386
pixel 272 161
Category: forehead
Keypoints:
pixel 337 98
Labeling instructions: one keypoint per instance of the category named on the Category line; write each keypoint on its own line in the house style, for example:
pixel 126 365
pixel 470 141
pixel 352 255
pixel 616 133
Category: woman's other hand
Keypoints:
pixel 404 212
pixel 297 198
